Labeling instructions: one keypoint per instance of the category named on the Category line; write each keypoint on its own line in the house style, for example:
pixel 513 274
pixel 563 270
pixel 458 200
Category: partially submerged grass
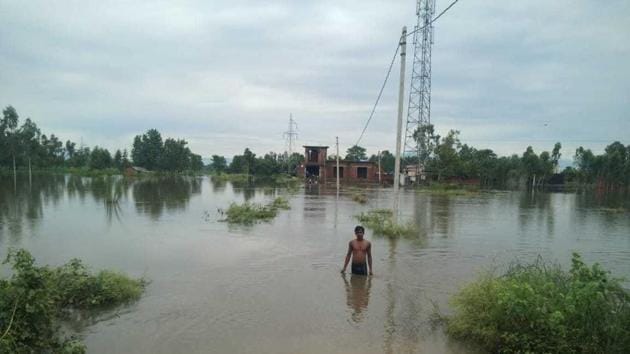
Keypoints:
pixel 381 222
pixel 36 299
pixel 249 213
pixel 230 177
pixel 449 189
pixel 359 197
pixel 541 308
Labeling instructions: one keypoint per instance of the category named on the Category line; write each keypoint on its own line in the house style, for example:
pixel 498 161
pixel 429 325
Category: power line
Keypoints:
pixel 390 70
pixel 434 19
pixel 379 94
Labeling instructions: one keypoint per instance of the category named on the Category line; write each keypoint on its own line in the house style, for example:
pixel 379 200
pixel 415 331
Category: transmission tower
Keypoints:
pixel 419 109
pixel 290 135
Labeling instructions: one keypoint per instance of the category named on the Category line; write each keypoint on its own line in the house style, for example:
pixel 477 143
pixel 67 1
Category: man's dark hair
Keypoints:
pixel 359 228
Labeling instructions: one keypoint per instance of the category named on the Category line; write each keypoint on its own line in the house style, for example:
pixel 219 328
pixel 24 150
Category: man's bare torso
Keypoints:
pixel 359 250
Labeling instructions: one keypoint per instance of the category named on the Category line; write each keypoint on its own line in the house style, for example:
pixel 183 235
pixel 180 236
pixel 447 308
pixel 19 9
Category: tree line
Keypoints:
pixel 447 158
pixel 270 164
pixel 26 146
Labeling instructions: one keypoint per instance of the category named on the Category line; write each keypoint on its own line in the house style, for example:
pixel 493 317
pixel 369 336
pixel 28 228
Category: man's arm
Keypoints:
pixel 369 256
pixel 345 264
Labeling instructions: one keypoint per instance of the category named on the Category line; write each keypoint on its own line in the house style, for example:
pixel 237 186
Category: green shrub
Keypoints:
pixel 381 222
pixel 541 308
pixel 359 198
pixel 34 300
pixel 248 213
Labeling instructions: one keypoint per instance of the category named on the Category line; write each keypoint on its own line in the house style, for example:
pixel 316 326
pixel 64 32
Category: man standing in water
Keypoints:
pixel 358 249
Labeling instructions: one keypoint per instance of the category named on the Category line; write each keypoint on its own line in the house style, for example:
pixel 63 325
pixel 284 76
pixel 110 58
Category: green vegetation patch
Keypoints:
pixel 540 308
pixel 381 222
pixel 35 299
pixel 230 177
pixel 449 189
pixel 359 198
pixel 249 213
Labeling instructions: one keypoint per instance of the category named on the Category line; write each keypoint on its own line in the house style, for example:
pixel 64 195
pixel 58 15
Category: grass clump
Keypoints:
pixel 36 299
pixel 542 309
pixel 381 222
pixel 359 198
pixel 449 189
pixel 249 213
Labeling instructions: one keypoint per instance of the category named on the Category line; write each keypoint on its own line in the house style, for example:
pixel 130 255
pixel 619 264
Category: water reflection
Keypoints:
pixel 357 295
pixel 537 209
pixel 24 201
pixel 154 195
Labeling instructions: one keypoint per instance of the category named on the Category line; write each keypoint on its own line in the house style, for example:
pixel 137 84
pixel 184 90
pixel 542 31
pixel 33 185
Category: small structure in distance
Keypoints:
pixel 317 169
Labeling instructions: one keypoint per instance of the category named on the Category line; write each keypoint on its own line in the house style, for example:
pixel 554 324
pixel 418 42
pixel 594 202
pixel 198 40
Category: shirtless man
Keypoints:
pixel 359 249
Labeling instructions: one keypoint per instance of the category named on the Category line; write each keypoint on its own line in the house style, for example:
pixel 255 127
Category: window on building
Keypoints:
pixel 312 155
pixel 362 172
pixel 335 171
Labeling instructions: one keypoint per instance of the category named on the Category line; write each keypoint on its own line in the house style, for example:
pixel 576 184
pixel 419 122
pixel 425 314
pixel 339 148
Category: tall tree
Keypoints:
pixel 100 158
pixel 28 137
pixel 8 134
pixel 175 155
pixel 356 153
pixel 218 164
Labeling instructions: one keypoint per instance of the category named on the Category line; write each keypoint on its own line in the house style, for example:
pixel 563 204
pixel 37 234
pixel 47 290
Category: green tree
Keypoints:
pixel 250 161
pixel 100 158
pixel 388 161
pixel 175 155
pixel 8 135
pixel 555 155
pixel 427 140
pixel 356 153
pixel 147 149
pixel 196 162
pixel 447 161
pixel 117 160
pixel 28 137
pixel 70 149
pixel 218 164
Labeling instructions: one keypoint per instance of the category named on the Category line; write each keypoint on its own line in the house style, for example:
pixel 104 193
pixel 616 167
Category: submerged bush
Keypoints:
pixel 541 308
pixel 35 299
pixel 359 198
pixel 248 213
pixel 381 222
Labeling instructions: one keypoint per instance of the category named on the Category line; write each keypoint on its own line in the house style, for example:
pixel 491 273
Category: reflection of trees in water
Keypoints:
pixel 217 184
pixel 24 201
pixel 433 213
pixel 154 195
pixel 357 295
pixel 536 206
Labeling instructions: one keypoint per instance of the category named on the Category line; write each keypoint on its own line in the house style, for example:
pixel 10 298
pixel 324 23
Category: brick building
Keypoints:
pixel 316 168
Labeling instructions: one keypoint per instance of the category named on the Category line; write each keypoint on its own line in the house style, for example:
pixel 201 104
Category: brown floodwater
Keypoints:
pixel 276 287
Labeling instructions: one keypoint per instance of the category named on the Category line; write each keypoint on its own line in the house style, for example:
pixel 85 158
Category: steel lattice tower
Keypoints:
pixel 419 109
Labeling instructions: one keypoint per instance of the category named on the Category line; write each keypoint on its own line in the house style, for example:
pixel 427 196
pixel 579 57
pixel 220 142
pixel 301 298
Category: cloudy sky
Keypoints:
pixel 226 74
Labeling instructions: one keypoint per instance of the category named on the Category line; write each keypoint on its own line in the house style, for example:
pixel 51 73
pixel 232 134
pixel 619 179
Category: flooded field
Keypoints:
pixel 276 287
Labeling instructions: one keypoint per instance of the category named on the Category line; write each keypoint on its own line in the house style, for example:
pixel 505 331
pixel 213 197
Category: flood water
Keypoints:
pixel 276 287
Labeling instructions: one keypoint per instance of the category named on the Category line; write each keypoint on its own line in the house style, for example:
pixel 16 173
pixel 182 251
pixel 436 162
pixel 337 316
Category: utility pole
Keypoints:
pixel 379 167
pixel 337 138
pixel 401 93
pixel 290 135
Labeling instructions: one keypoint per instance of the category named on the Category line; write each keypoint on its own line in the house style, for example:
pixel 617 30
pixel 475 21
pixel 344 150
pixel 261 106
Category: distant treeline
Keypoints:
pixel 268 165
pixel 25 146
pixel 447 158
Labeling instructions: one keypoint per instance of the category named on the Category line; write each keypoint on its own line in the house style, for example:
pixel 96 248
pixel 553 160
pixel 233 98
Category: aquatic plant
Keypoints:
pixel 35 299
pixel 359 198
pixel 449 189
pixel 249 213
pixel 381 222
pixel 540 308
